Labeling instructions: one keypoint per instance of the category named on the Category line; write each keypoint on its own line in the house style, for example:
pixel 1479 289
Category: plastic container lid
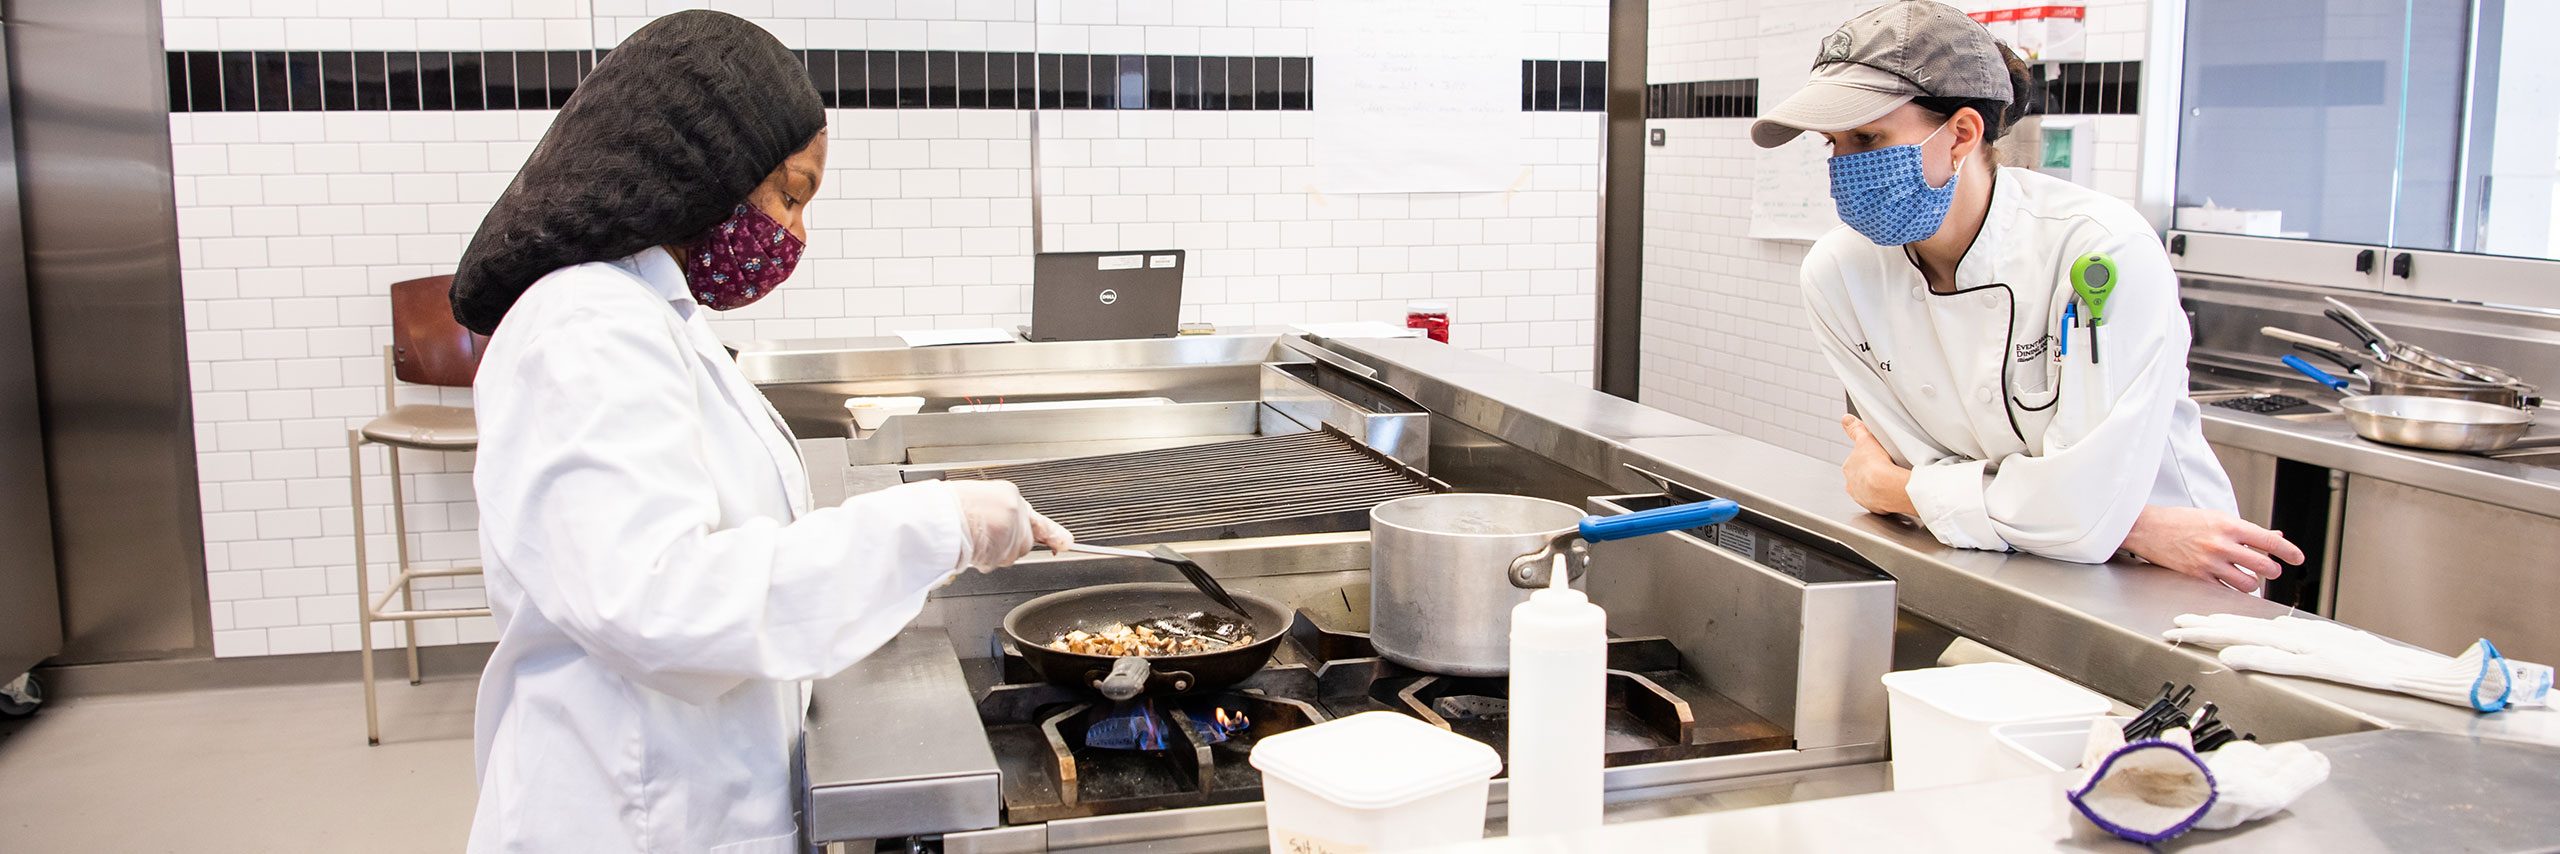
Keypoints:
pixel 1997 692
pixel 1427 307
pixel 1375 760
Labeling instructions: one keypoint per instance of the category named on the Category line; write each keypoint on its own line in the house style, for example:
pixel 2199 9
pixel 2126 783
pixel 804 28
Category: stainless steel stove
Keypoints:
pixel 1751 648
pixel 1192 752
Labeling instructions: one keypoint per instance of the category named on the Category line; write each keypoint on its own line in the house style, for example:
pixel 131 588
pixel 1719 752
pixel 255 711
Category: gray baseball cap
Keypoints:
pixel 1882 59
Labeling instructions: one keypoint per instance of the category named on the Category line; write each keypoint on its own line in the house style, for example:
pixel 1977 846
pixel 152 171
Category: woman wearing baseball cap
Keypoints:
pixel 2011 342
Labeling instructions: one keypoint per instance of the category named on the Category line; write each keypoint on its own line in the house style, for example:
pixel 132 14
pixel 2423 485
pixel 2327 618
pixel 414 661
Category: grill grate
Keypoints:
pixel 1268 485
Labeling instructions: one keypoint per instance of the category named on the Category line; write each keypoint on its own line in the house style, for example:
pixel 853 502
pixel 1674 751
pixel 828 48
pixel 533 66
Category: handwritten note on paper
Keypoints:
pixel 1417 96
pixel 1791 184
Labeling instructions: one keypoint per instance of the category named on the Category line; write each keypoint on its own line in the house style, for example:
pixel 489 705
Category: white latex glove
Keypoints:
pixel 2251 781
pixel 997 527
pixel 2294 646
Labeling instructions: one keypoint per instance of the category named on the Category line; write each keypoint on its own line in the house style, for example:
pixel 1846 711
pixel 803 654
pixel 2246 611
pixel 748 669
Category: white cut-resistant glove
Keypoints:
pixel 997 527
pixel 2478 678
pixel 2252 781
pixel 2148 791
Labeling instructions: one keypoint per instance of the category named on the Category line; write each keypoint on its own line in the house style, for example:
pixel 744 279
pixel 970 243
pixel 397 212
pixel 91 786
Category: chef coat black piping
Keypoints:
pixel 2009 344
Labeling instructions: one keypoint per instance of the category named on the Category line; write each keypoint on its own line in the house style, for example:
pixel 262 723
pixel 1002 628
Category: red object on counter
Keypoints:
pixel 1430 317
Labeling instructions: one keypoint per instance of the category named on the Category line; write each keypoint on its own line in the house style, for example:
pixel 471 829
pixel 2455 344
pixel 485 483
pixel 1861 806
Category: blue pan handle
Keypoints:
pixel 2317 375
pixel 1678 517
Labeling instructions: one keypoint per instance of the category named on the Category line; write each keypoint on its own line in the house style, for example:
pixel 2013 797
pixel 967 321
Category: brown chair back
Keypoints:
pixel 428 346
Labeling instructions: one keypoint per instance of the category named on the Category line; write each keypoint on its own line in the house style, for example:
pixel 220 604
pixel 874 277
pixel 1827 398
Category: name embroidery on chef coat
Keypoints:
pixel 2033 350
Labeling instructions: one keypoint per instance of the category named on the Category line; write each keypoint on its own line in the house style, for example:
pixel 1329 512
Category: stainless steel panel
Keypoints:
pixel 1808 656
pixel 30 604
pixel 2441 571
pixel 2098 626
pixel 962 437
pixel 102 265
pixel 2229 312
pixel 933 773
pixel 887 363
pixel 1637 788
pixel 1402 432
pixel 2253 481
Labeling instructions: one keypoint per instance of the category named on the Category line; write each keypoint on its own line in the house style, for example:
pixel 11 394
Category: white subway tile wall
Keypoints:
pixel 1725 338
pixel 293 224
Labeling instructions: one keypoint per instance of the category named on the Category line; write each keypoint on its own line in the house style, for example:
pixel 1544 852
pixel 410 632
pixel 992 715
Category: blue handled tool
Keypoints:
pixel 1535 569
pixel 2317 375
pixel 1678 517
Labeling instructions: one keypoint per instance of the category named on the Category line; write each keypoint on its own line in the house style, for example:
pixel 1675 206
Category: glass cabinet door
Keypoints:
pixel 2334 121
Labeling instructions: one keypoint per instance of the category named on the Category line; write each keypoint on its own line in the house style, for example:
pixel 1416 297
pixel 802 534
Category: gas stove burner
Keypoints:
pixel 1140 726
pixel 1069 753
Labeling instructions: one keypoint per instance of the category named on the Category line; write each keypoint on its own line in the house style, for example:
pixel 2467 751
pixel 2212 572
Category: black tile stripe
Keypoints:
pixel 1564 85
pixel 2095 88
pixel 239 81
pixel 1703 99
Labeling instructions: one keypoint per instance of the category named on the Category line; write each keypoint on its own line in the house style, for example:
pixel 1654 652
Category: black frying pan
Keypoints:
pixel 1034 624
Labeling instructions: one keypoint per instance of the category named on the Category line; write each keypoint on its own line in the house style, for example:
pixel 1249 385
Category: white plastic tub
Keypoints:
pixel 1376 781
pixel 1942 719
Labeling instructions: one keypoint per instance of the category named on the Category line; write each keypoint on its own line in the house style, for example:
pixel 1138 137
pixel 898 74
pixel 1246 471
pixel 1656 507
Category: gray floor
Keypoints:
pixel 248 769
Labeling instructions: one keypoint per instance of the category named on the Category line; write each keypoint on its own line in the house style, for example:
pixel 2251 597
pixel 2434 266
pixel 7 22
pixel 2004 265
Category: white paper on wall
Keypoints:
pixel 1417 96
pixel 1791 184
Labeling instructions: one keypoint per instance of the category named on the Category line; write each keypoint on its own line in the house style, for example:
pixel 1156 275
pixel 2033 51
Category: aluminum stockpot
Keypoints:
pixel 1440 592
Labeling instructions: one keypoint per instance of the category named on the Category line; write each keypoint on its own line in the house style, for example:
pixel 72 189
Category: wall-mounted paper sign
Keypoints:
pixel 1419 96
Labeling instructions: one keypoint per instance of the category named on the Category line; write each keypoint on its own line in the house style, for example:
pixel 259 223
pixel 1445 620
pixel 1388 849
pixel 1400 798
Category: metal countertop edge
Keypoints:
pixel 2096 624
pixel 2335 445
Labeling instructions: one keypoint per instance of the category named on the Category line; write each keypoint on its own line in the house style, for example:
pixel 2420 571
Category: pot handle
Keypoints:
pixel 1128 678
pixel 2317 375
pixel 1678 517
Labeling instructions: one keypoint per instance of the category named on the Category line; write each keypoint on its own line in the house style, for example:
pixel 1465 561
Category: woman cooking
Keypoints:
pixel 2012 343
pixel 660 581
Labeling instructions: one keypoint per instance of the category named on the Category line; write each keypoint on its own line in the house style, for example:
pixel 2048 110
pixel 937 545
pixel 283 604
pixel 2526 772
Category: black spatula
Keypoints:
pixel 1191 572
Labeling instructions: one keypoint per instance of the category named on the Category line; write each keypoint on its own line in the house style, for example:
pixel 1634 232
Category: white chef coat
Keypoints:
pixel 659 581
pixel 2011 444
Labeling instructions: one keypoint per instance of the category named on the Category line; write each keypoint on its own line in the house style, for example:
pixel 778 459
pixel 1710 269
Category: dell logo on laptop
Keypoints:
pixel 1110 296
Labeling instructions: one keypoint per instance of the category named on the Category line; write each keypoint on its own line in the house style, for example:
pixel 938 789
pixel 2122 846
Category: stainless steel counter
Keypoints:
pixel 2520 480
pixel 2387 792
pixel 2098 625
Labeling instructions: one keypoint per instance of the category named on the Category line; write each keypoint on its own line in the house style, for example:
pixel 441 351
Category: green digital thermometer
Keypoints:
pixel 2093 277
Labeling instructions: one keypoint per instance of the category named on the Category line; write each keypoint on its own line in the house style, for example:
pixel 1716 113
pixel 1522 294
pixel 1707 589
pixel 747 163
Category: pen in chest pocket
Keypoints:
pixel 2070 318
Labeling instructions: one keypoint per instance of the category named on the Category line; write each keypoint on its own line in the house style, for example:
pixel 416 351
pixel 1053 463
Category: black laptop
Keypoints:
pixel 1092 296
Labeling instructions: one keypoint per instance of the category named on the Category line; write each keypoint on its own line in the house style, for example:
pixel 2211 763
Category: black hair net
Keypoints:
pixel 660 143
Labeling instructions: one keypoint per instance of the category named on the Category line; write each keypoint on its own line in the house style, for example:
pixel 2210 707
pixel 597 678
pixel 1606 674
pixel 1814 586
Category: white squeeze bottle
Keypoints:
pixel 1559 688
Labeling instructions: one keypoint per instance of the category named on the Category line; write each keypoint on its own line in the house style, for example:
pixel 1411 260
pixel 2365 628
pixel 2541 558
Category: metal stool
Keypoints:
pixel 428 348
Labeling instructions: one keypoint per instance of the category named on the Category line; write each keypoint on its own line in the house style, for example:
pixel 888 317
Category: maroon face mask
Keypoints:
pixel 740 260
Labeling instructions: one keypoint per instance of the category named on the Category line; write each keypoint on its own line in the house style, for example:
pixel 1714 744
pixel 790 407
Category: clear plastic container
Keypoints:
pixel 1942 717
pixel 1375 781
pixel 2044 747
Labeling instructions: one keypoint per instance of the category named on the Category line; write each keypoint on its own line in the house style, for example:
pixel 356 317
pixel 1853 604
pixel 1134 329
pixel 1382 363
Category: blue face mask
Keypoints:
pixel 1885 193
